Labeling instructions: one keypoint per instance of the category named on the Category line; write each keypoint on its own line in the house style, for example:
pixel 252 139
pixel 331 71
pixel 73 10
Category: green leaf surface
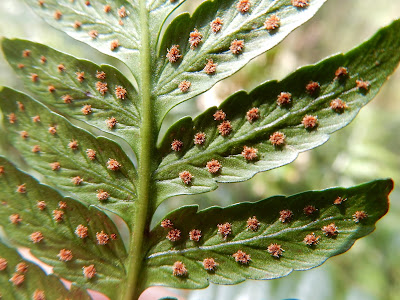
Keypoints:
pixel 93 17
pixel 119 184
pixel 35 281
pixel 84 92
pixel 372 61
pixel 109 259
pixel 114 25
pixel 371 198
pixel 248 27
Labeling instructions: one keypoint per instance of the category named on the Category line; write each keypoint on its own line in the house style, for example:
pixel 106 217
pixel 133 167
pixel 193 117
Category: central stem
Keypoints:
pixel 141 226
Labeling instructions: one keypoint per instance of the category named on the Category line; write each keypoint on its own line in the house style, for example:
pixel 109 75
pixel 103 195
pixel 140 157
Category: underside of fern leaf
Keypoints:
pixel 263 240
pixel 95 182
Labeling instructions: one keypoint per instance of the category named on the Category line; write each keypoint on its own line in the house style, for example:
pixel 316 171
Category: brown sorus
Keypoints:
pixel 73 145
pixel 359 215
pixel 225 229
pixel 17 279
pixel 21 188
pixel 214 166
pixel 186 177
pixel 199 138
pixel 330 230
pixel 107 8
pixel 21 268
pixel 89 272
pixel 34 77
pixel 62 205
pixel 26 53
pixel 184 86
pixel 111 122
pixel 338 105
pixel 57 15
pixel 341 73
pixel 122 12
pixel 52 130
pixel 61 68
pixel 275 250
pixel 277 138
pixel 100 75
pixel 195 235
pixel 36 237
pixel 36 149
pixel 301 3
pixel 363 85
pixel 237 46
pixel 102 195
pixel 167 223
pixel 43 59
pixel 38 295
pixel 101 87
pixel 311 239
pixel 179 269
pixel 272 23
pixel 36 119
pixel 285 215
pixel 210 67
pixel 65 255
pixel 113 164
pixel 15 218
pixel 81 231
pixel 210 264
pixel 195 38
pixel 309 210
pixel 21 106
pixel 58 215
pixel 174 235
pixel 80 76
pixel 243 6
pixel 242 257
pixel 177 145
pixel 67 99
pixel 55 166
pixel 114 45
pixel 339 200
pixel 86 109
pixel 51 88
pixel 120 92
pixel 313 88
pixel 253 224
pixel 91 154
pixel 249 153
pixel 3 263
pixel 12 118
pixel 173 54
pixel 93 34
pixel 77 180
pixel 216 25
pixel 24 134
pixel 102 238
pixel 253 114
pixel 225 128
pixel 41 205
pixel 284 98
pixel 21 66
pixel 219 115
pixel 77 24
pixel 310 122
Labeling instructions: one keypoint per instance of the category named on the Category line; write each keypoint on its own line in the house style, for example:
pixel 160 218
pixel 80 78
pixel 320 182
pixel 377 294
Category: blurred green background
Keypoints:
pixel 368 148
